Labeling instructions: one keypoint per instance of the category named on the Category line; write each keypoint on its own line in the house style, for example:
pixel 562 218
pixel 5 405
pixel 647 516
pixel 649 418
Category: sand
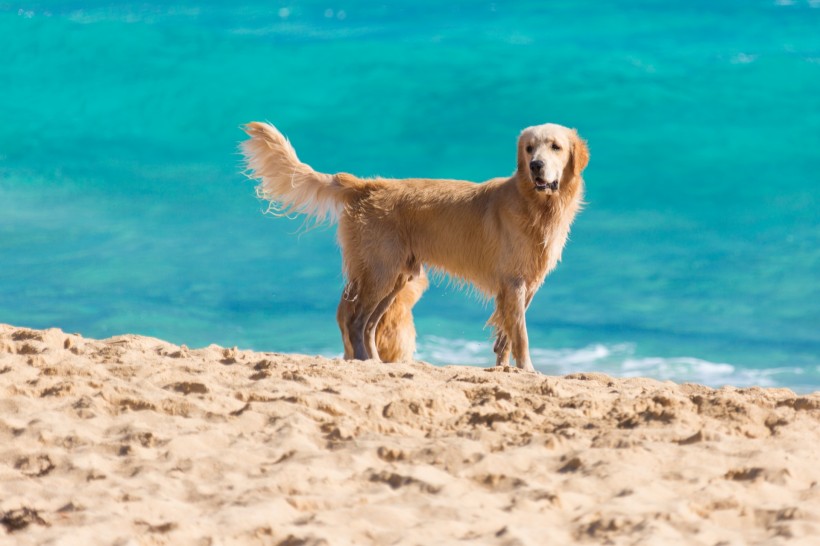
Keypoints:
pixel 133 440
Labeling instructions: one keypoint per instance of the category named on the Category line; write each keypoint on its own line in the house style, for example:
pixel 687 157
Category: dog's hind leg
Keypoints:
pixel 378 313
pixel 372 301
pixel 395 331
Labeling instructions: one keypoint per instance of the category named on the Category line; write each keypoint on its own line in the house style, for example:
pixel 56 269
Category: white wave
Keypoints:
pixel 619 360
pixel 145 14
pixel 301 31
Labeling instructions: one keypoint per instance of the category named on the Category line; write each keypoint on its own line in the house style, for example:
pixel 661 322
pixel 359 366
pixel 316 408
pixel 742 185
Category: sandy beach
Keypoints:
pixel 133 440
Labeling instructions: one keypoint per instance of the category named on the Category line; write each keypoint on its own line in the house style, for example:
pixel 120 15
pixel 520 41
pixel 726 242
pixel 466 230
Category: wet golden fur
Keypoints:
pixel 503 236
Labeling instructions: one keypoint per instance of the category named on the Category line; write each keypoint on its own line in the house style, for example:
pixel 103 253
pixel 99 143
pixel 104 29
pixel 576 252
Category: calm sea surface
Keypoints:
pixel 123 209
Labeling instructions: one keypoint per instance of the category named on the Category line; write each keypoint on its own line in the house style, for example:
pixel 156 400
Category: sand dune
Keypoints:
pixel 132 440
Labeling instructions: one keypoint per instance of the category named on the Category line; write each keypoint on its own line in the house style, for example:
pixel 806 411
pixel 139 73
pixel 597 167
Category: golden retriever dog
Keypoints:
pixel 503 236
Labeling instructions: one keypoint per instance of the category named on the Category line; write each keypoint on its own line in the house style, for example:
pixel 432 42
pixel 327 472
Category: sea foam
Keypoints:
pixel 619 360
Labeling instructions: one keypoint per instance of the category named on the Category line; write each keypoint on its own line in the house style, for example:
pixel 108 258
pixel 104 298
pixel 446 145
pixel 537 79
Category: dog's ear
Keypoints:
pixel 580 153
pixel 521 160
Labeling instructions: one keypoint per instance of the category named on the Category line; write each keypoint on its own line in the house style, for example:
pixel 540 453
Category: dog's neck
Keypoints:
pixel 542 210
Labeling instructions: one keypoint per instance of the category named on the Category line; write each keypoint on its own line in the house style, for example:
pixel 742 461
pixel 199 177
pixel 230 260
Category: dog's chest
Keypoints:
pixel 548 239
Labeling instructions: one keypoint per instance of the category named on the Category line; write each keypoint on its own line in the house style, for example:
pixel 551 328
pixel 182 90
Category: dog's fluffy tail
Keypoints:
pixel 290 185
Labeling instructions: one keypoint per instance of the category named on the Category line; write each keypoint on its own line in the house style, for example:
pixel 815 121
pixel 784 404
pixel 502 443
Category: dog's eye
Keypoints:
pixel 556 147
pixel 529 149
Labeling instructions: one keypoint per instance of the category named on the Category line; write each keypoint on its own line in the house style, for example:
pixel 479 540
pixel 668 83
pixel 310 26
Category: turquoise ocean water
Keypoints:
pixel 122 208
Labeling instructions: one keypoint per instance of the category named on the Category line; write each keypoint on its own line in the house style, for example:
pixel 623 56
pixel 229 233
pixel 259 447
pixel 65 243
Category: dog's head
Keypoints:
pixel 550 157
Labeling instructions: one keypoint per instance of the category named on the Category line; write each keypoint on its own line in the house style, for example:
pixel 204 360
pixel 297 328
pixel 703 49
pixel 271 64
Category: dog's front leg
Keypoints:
pixel 512 305
pixel 501 348
pixel 344 312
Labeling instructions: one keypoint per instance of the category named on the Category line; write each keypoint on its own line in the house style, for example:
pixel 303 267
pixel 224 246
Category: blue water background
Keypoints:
pixel 122 206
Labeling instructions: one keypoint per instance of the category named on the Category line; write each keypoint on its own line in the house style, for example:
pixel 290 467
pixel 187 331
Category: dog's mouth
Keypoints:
pixel 543 185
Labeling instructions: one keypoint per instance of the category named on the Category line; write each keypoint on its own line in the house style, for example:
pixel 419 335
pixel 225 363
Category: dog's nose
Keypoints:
pixel 536 165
